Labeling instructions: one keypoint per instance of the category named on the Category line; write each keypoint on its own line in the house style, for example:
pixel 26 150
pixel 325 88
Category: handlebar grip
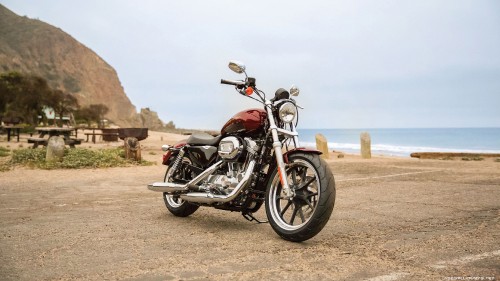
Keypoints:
pixel 231 82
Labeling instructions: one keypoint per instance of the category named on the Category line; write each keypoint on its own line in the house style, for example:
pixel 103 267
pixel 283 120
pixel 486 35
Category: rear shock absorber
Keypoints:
pixel 177 161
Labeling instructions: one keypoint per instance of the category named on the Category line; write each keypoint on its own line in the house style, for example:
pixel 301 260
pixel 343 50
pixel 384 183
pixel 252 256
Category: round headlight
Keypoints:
pixel 287 112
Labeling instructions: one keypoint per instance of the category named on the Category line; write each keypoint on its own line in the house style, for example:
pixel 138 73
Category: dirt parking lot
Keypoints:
pixel 394 219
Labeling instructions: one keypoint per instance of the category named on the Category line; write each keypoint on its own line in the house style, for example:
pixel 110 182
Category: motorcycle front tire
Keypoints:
pixel 304 215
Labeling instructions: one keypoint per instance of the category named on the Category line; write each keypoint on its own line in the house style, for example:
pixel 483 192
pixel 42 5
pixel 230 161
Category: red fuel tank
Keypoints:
pixel 247 122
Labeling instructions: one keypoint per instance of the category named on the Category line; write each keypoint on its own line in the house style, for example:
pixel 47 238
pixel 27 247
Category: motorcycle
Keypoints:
pixel 256 159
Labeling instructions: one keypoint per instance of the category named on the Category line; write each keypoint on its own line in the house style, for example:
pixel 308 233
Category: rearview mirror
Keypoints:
pixel 237 66
pixel 294 91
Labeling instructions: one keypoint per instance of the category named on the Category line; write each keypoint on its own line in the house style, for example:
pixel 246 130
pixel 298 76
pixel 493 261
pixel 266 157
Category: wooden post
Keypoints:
pixel 322 145
pixel 366 150
pixel 132 149
pixel 55 149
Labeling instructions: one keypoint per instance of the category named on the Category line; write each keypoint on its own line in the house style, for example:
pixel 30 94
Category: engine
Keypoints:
pixel 230 148
pixel 225 183
pixel 236 152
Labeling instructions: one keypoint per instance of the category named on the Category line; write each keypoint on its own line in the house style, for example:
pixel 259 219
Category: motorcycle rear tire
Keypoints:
pixel 183 209
pixel 175 205
pixel 313 203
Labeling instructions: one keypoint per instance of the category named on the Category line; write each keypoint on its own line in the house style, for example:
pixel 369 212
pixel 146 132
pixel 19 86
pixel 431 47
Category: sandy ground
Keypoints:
pixel 394 219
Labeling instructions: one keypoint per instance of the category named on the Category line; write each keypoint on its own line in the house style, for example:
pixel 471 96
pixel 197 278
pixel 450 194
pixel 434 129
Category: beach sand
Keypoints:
pixel 394 219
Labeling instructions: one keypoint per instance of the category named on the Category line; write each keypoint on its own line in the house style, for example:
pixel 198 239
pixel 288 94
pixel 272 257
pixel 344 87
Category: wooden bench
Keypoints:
pixel 41 141
pixel 73 142
pixel 38 141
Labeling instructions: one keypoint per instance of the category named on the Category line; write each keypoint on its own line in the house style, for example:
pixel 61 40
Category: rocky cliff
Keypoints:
pixel 34 47
pixel 151 120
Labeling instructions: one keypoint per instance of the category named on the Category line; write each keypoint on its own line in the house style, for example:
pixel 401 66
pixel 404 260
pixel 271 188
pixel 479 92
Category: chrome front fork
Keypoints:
pixel 278 151
pixel 296 137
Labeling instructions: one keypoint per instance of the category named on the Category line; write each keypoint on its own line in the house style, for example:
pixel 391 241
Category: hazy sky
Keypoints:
pixel 359 64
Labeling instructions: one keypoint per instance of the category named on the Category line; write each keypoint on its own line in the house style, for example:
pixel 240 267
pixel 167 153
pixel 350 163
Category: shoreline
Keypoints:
pixel 439 155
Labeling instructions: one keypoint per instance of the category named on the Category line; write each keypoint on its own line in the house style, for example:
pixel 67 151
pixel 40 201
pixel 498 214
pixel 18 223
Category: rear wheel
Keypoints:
pixel 174 203
pixel 305 214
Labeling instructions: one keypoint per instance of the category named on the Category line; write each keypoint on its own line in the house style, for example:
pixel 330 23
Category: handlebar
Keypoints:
pixel 246 87
pixel 232 82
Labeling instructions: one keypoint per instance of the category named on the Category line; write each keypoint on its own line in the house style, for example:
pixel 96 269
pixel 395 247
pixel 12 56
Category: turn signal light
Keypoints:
pixel 249 91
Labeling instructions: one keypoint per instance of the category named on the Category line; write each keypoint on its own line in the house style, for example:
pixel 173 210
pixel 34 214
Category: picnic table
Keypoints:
pixel 54 131
pixel 12 130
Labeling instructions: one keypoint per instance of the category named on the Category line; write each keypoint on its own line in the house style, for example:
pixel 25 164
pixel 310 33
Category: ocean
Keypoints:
pixel 402 142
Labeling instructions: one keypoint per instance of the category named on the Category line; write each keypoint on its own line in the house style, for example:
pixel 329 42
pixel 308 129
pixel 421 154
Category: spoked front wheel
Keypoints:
pixel 305 214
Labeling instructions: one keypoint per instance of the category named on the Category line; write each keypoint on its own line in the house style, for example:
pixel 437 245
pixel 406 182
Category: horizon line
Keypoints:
pixel 365 128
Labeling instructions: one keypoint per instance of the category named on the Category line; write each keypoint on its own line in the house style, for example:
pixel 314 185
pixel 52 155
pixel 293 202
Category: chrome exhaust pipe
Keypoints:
pixel 209 198
pixel 170 187
pixel 167 187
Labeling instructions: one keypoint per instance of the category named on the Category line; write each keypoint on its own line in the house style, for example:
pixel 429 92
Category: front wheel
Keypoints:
pixel 305 214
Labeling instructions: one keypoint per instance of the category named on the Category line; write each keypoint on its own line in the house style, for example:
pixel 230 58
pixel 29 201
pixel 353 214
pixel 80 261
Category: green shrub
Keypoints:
pixel 447 158
pixel 28 156
pixel 475 158
pixel 75 158
pixel 4 167
pixel 4 152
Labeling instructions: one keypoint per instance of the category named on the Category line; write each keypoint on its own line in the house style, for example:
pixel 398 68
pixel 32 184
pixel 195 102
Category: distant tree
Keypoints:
pixel 35 97
pixel 10 88
pixel 99 110
pixel 170 125
pixel 23 96
pixel 62 103
pixel 84 115
pixel 92 113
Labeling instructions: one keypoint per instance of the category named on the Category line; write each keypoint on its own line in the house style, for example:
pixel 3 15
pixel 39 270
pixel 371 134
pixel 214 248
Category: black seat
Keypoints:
pixel 203 139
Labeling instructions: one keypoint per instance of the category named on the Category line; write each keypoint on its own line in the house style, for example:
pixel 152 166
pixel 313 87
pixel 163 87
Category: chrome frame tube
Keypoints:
pixel 172 187
pixel 204 174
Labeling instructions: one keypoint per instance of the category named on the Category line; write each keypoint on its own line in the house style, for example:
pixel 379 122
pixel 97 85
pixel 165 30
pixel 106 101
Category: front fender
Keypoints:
pixel 301 150
pixel 273 165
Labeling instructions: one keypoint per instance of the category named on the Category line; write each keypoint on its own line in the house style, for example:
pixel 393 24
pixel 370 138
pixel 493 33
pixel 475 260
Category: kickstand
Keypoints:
pixel 250 217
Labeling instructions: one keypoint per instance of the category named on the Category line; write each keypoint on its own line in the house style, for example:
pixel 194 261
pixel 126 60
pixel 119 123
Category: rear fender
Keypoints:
pixel 170 155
